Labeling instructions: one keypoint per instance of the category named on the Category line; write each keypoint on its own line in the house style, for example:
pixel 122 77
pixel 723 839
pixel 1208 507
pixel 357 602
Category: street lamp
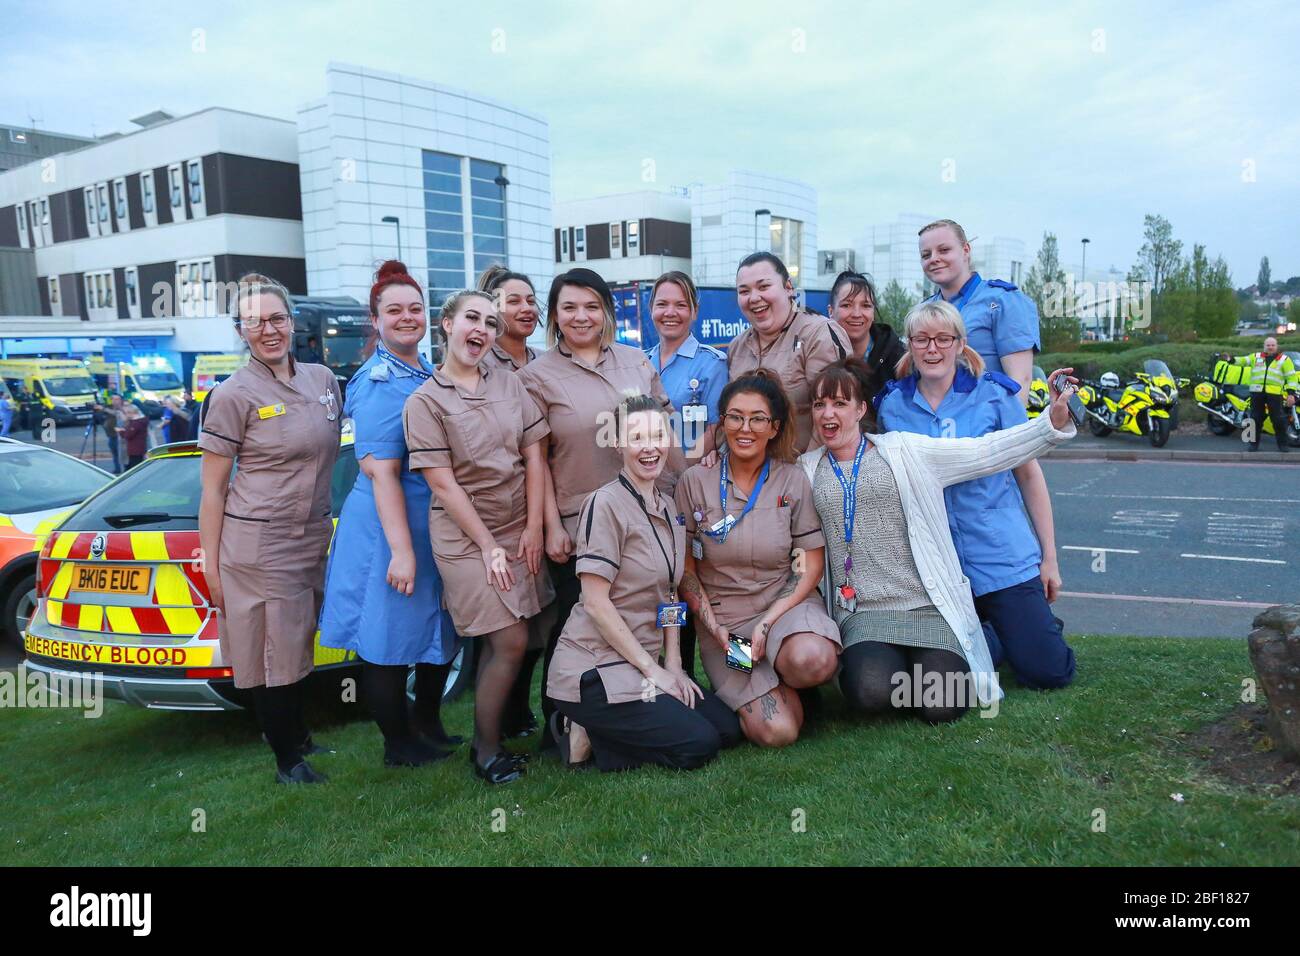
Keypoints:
pixel 1084 267
pixel 503 183
pixel 757 213
pixel 397 223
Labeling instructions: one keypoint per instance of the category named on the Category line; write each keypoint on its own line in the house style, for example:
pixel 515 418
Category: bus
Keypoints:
pixel 331 331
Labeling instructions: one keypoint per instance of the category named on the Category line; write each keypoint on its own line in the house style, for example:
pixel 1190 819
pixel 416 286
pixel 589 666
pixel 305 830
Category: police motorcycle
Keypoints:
pixel 1225 396
pixel 1146 406
pixel 1039 397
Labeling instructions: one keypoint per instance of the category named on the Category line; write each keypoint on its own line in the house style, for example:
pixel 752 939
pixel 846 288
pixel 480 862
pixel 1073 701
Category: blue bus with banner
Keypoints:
pixel 720 319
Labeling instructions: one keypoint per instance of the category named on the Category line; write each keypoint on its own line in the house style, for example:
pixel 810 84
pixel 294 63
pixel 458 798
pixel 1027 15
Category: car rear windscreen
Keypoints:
pixel 38 480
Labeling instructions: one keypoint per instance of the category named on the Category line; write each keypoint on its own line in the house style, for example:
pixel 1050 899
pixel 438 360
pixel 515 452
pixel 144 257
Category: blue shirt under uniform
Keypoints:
pixel 994 538
pixel 362 612
pixel 999 318
pixel 695 375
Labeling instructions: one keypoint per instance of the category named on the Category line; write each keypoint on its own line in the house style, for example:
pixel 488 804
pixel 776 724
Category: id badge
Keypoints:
pixel 740 655
pixel 697 549
pixel 671 615
pixel 695 413
pixel 723 525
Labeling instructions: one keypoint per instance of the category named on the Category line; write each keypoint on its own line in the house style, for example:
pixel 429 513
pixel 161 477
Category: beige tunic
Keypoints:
pixel 497 357
pixel 806 345
pixel 634 547
pixel 480 436
pixel 284 437
pixel 756 564
pixel 578 401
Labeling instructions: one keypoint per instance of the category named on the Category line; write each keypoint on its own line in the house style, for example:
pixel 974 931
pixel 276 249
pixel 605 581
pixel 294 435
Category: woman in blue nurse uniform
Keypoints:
pixel 383 596
pixel 1001 321
pixel 943 392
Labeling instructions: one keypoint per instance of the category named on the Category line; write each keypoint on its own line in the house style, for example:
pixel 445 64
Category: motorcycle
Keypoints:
pixel 1225 396
pixel 1146 406
pixel 1039 396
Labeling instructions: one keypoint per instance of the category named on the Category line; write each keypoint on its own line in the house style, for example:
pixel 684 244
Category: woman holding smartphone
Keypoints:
pixel 606 675
pixel 755 560
pixel 900 598
pixel 943 391
pixel 475 434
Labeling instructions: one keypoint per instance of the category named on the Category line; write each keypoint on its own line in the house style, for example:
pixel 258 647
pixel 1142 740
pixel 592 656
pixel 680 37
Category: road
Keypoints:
pixel 1150 548
pixel 1174 548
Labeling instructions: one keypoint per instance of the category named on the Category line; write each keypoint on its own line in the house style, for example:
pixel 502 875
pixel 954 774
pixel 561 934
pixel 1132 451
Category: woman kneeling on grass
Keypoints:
pixel 605 677
pixel 911 636
pixel 755 561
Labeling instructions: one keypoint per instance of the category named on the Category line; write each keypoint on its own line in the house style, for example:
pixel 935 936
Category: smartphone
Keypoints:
pixel 1077 412
pixel 740 656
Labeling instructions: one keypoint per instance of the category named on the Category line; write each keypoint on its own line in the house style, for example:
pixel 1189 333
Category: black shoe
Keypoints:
pixel 300 773
pixel 500 769
pixel 434 732
pixel 412 752
pixel 309 747
pixel 524 727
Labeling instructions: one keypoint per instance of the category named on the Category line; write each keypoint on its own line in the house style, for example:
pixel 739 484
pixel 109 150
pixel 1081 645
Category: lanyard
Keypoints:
pixel 722 533
pixel 850 487
pixel 392 359
pixel 669 563
pixel 960 302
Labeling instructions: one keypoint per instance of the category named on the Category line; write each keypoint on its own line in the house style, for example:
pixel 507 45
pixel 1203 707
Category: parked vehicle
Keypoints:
pixel 39 486
pixel 1039 396
pixel 210 369
pixel 145 380
pixel 1225 396
pixel 1145 406
pixel 61 389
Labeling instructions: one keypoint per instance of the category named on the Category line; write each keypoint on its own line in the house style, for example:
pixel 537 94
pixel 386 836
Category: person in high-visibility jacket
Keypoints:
pixel 1272 376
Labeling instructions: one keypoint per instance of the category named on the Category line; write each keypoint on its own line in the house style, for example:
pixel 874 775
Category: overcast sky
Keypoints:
pixel 1075 118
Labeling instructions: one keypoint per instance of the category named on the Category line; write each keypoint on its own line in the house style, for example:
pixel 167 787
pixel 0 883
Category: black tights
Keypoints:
pixel 384 686
pixel 869 684
pixel 279 712
pixel 430 685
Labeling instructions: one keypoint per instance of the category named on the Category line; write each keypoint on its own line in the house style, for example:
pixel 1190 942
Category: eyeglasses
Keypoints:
pixel 279 322
pixel 736 422
pixel 944 340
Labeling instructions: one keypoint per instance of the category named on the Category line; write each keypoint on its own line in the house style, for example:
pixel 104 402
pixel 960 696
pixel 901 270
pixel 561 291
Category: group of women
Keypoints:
pixel 790 505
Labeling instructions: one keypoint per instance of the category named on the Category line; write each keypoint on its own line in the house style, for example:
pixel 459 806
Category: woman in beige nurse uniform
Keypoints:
pixel 755 560
pixel 474 432
pixel 265 533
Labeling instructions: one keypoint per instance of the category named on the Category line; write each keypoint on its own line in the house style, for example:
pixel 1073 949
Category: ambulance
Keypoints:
pixel 62 388
pixel 146 380
pixel 211 369
pixel 121 592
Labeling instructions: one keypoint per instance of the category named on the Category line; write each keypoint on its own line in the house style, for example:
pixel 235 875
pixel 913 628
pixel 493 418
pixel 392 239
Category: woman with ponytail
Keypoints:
pixel 942 390
pixel 383 597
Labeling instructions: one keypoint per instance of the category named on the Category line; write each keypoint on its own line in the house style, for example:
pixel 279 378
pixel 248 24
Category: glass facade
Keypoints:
pixel 787 242
pixel 450 244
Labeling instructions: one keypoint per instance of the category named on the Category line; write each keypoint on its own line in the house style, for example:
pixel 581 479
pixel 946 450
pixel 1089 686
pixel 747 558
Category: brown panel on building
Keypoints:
pixel 43 290
pixel 157 289
pixel 248 186
pixel 134 202
pixel 663 237
pixel 214 185
pixel 72 292
pixel 68 215
pixel 162 194
pixel 557 246
pixel 598 241
pixel 119 293
pixel 292 273
pixel 9 225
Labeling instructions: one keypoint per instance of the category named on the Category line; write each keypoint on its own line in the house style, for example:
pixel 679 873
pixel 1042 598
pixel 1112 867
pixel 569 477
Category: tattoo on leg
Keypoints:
pixel 768 701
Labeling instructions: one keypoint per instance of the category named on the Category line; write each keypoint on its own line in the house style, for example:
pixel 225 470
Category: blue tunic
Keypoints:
pixel 695 375
pixel 999 319
pixel 362 612
pixel 994 538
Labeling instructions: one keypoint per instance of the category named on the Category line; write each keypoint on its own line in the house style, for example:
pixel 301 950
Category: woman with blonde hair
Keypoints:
pixel 942 390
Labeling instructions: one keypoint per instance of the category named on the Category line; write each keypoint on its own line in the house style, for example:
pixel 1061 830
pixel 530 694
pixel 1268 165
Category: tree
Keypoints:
pixel 1293 312
pixel 1160 255
pixel 1218 318
pixel 1247 311
pixel 894 305
pixel 1046 285
pixel 1264 276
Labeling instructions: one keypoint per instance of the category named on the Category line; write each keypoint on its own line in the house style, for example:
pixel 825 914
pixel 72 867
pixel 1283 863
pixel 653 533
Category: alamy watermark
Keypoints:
pixel 26 688
pixel 1127 301
pixel 965 690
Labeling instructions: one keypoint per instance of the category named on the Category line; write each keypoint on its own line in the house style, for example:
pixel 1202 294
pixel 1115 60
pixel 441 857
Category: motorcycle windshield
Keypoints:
pixel 1154 367
pixel 1039 374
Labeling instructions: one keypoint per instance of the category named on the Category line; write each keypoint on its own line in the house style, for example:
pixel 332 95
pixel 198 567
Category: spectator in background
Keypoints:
pixel 134 434
pixel 191 406
pixel 111 418
pixel 175 421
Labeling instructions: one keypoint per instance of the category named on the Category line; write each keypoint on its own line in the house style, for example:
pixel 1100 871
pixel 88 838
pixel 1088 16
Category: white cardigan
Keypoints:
pixel 922 468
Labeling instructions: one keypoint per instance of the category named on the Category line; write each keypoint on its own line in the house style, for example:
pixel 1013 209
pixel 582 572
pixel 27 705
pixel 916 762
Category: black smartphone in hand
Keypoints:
pixel 1063 385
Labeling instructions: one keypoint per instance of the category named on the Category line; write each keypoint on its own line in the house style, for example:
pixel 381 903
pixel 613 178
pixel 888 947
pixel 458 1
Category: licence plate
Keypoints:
pixel 111 578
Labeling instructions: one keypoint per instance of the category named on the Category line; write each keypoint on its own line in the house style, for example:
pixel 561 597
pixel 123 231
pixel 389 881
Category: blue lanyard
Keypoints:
pixel 721 535
pixel 959 303
pixel 850 486
pixel 392 359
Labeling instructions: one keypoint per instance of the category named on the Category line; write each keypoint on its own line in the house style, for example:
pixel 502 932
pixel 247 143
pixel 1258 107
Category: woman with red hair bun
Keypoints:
pixel 383 595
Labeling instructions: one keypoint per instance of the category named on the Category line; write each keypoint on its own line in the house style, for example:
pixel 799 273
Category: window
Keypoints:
pixel 195 287
pixel 21 212
pixel 616 240
pixel 487 188
pixel 634 238
pixel 47 234
pixel 146 192
pixel 580 244
pixel 564 245
pixel 133 292
pixel 92 220
pixel 101 193
pixel 194 175
pixel 119 199
pixel 444 223
pixel 174 186
pixel 209 282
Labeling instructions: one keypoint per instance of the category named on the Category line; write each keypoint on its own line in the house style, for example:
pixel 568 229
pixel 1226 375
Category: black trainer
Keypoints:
pixel 300 773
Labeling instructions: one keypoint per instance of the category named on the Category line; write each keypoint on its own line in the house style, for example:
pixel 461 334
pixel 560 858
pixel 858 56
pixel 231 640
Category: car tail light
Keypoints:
pixel 209 673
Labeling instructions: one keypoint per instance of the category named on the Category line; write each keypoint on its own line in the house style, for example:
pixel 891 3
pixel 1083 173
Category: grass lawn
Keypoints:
pixel 1021 788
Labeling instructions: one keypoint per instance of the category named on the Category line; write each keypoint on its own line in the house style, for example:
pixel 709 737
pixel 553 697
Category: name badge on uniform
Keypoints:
pixel 695 413
pixel 671 615
pixel 270 411
pixel 722 526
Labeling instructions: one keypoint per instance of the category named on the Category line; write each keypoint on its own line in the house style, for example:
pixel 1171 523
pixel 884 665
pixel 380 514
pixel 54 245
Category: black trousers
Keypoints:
pixel 661 731
pixel 1258 402
pixel 567 592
